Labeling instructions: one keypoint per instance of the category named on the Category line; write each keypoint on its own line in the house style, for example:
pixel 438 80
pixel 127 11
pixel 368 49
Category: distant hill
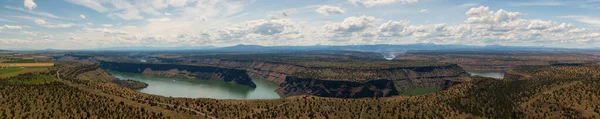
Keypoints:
pixel 384 48
pixel 363 48
pixel 152 48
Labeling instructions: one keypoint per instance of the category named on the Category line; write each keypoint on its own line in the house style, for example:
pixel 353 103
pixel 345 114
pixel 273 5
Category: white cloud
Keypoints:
pixel 92 4
pixel 82 16
pixel 424 11
pixel 48 37
pixel 44 14
pixel 371 3
pixel 585 19
pixel 29 4
pixel 271 27
pixel 327 10
pixel 484 15
pixel 482 27
pixel 394 28
pixel 281 14
pixel 43 23
pixel 352 24
pixel 10 27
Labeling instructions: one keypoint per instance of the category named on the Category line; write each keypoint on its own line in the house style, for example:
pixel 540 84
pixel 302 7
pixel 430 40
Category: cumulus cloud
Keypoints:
pixel 270 27
pixel 484 27
pixel 29 4
pixel 371 3
pixel 394 28
pixel 327 10
pixel 282 13
pixel 82 16
pixel 352 24
pixel 484 15
pixel 46 24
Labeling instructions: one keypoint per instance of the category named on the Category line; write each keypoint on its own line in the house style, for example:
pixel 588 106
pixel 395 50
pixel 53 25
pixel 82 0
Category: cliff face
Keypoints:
pixel 383 82
pixel 341 89
pixel 275 72
pixel 183 71
pixel 420 77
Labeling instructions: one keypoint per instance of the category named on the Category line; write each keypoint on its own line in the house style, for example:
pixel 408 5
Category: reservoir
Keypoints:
pixel 196 88
pixel 490 74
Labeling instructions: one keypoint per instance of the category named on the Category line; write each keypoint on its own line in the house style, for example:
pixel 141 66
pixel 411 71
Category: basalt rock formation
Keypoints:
pixel 358 83
pixel 341 89
pixel 183 71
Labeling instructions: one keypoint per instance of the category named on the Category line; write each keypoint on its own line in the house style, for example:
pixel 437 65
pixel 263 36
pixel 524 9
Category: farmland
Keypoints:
pixel 13 69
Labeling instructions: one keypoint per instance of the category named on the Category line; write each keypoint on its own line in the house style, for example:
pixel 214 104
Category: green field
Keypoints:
pixel 420 91
pixel 14 71
pixel 20 61
pixel 9 70
pixel 31 78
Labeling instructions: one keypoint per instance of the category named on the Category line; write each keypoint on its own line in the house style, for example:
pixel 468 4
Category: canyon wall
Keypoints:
pixel 344 83
pixel 341 89
pixel 183 71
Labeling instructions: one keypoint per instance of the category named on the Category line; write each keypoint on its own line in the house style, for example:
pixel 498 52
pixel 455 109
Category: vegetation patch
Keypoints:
pixel 9 70
pixel 32 78
pixel 421 91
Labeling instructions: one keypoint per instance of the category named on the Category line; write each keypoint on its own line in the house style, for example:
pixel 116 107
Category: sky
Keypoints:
pixel 90 24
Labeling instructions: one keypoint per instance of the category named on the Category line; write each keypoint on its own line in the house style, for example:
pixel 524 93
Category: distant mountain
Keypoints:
pixel 152 48
pixel 383 48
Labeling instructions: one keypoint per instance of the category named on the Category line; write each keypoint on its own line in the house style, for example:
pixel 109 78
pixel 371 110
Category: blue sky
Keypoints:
pixel 86 24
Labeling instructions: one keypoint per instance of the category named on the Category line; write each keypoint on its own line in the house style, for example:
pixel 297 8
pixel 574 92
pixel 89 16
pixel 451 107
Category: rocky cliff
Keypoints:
pixel 183 71
pixel 357 83
pixel 340 89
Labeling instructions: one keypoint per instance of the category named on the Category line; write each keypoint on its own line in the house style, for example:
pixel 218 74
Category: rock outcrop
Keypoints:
pixel 358 83
pixel 341 89
pixel 183 71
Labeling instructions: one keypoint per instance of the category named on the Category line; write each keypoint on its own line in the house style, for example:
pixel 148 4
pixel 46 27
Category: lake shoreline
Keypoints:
pixel 201 88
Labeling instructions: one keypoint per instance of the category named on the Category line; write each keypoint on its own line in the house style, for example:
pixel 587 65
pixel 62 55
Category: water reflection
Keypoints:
pixel 490 74
pixel 194 88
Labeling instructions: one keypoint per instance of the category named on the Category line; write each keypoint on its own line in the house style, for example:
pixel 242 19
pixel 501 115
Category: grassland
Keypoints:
pixel 420 91
pixel 9 70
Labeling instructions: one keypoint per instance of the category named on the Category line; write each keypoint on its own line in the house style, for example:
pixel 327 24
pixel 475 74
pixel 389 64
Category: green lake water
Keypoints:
pixel 196 88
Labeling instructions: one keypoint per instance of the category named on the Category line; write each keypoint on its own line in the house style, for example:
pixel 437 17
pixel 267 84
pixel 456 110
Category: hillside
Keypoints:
pixel 550 92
